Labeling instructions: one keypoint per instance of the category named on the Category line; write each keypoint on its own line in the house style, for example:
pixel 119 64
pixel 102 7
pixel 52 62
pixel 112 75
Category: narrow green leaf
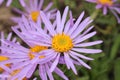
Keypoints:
pixel 115 47
pixel 117 69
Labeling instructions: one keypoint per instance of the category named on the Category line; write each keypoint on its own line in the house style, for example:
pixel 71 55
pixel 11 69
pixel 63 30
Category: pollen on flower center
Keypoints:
pixel 62 43
pixel 3 58
pixel 108 2
pixel 36 49
pixel 34 15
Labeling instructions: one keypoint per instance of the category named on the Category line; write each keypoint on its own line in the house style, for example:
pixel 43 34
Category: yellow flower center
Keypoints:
pixel 36 49
pixel 62 43
pixel 3 58
pixel 34 15
pixel 109 2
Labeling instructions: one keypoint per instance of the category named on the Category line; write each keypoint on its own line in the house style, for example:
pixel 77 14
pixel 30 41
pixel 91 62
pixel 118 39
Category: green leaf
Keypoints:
pixel 115 47
pixel 117 69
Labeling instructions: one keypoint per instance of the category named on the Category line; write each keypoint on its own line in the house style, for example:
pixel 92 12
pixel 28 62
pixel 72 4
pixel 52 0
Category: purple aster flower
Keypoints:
pixel 2 52
pixel 33 9
pixel 64 39
pixel 112 5
pixel 29 58
pixel 10 1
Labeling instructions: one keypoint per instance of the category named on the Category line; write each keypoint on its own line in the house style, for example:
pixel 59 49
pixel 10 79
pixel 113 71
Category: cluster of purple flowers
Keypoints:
pixel 51 40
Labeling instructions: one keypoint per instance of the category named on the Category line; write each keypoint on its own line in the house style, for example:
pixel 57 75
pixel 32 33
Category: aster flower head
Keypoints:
pixel 112 5
pixel 2 52
pixel 65 40
pixel 33 9
pixel 29 58
pixel 10 1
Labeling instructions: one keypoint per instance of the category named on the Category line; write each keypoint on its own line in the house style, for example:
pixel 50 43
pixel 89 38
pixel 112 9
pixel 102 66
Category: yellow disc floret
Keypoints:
pixel 3 58
pixel 36 49
pixel 34 15
pixel 108 2
pixel 62 43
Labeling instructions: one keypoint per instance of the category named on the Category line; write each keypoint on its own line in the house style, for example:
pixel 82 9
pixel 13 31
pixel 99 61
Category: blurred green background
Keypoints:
pixel 106 65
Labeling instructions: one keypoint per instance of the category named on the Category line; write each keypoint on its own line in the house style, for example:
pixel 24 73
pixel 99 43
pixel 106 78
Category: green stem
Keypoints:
pixel 94 14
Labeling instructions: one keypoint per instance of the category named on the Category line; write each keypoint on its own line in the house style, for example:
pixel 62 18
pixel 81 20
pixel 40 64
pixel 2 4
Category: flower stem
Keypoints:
pixel 94 14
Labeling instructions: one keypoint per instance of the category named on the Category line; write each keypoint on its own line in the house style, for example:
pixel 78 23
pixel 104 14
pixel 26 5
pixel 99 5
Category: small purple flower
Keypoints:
pixel 2 52
pixel 10 1
pixel 33 10
pixel 25 61
pixel 112 5
pixel 64 39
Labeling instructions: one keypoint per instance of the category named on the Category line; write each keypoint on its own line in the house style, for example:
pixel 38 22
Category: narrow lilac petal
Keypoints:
pixel 55 63
pixel 10 50
pixel 12 61
pixel 8 3
pixel 84 33
pixel 89 43
pixel 19 34
pixel 117 9
pixel 1 1
pixel 93 1
pixel 47 24
pixel 35 3
pixel 35 79
pixel 98 6
pixel 16 46
pixel 60 73
pixel 48 72
pixel 18 66
pixel 105 10
pixel 117 17
pixel 38 43
pixel 76 23
pixel 81 62
pixel 22 73
pixel 58 19
pixel 80 55
pixel 5 68
pixel 14 40
pixel 9 36
pixel 22 3
pixel 31 4
pixel 53 11
pixel 2 35
pixel 4 76
pixel 76 62
pixel 41 4
pixel 42 72
pixel 67 26
pixel 64 19
pixel 71 19
pixel 81 27
pixel 70 63
pixel 66 62
pixel 31 71
pixel 48 7
pixel 85 37
pixel 48 58
pixel 89 51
